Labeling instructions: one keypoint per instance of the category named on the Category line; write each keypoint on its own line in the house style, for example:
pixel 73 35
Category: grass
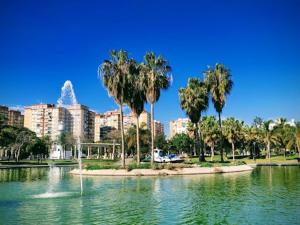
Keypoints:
pixel 99 164
pixel 240 160
pixel 95 164
pixel 36 162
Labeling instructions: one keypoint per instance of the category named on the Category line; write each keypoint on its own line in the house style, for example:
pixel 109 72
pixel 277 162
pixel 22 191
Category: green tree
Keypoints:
pixel 23 138
pixel 210 132
pixel 114 73
pixel 194 101
pixel 295 137
pixel 232 130
pixel 219 82
pixel 269 136
pixel 136 100
pixel 160 141
pixel 131 138
pixel 181 143
pixel 156 74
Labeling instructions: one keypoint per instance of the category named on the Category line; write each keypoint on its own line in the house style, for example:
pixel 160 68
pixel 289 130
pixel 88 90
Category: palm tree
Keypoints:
pixel 194 101
pixel 220 84
pixel 114 73
pixel 156 77
pixel 136 100
pixel 210 132
pixel 144 137
pixel 295 138
pixel 233 132
pixel 269 136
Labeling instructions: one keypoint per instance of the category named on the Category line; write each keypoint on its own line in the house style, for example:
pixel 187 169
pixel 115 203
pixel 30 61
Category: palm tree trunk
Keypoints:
pixel 138 153
pixel 269 151
pixel 202 157
pixel 152 133
pixel 232 145
pixel 195 140
pixel 298 148
pixel 199 143
pixel 220 126
pixel 122 137
pixel 212 152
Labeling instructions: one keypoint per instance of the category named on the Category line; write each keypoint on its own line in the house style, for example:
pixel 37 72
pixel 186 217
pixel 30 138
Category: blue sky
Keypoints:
pixel 44 43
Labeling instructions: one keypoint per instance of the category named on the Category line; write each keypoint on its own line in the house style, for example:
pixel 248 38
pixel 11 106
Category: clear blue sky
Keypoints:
pixel 44 43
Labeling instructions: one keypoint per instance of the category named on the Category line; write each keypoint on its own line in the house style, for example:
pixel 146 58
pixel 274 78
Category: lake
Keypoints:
pixel 266 195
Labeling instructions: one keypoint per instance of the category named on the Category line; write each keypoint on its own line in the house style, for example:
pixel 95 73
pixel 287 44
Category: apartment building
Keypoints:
pixel 106 122
pixel 158 128
pixel 15 118
pixel 3 115
pixel 47 119
pixel 178 126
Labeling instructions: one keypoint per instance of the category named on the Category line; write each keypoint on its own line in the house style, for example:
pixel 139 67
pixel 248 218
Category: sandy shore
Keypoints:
pixel 163 172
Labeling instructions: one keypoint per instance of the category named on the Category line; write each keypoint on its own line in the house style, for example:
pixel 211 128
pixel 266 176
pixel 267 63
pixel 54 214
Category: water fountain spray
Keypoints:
pixel 67 91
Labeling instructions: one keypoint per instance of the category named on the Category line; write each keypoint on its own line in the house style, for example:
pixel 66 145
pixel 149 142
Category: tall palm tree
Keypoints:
pixel 210 133
pixel 232 132
pixel 269 136
pixel 295 138
pixel 136 100
pixel 114 73
pixel 156 74
pixel 194 101
pixel 219 82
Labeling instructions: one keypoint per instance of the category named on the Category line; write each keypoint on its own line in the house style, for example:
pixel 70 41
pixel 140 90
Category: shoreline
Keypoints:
pixel 164 172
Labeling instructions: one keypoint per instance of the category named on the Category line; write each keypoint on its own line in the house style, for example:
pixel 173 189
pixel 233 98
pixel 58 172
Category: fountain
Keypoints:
pixel 66 91
pixel 54 179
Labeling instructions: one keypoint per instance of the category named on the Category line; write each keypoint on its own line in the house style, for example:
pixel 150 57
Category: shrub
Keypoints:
pixel 133 166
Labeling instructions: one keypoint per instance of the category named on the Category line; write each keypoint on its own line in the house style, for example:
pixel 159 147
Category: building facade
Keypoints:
pixel 15 118
pixel 49 120
pixel 3 115
pixel 106 122
pixel 178 126
pixel 158 128
pixel 111 120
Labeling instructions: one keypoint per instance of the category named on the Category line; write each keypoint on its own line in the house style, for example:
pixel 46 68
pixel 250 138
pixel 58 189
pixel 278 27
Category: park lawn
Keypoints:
pixel 36 162
pixel 97 164
pixel 240 159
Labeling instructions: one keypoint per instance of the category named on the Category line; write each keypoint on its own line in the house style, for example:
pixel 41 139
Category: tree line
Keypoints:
pixel 20 142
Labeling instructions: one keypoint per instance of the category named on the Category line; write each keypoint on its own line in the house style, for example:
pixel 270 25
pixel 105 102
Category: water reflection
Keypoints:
pixel 267 195
pixel 22 174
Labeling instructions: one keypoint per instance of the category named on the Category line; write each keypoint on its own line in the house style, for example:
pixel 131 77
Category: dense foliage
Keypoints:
pixel 19 142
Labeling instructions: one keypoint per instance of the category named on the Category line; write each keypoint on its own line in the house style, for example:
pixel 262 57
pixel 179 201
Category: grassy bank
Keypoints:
pixel 36 162
pixel 94 164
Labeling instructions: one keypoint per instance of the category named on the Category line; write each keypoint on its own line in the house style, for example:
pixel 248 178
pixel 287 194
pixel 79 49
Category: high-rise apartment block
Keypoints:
pixel 49 120
pixel 158 128
pixel 3 115
pixel 178 126
pixel 15 118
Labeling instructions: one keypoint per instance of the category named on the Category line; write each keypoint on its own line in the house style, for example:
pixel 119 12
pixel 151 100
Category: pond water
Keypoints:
pixel 266 195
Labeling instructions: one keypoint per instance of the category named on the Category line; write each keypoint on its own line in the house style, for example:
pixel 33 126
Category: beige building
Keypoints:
pixel 47 119
pixel 15 118
pixel 81 121
pixel 106 122
pixel 3 115
pixel 112 120
pixel 144 119
pixel 158 128
pixel 178 126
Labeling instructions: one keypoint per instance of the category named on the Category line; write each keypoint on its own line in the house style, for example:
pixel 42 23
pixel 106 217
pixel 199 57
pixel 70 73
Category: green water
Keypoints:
pixel 267 195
